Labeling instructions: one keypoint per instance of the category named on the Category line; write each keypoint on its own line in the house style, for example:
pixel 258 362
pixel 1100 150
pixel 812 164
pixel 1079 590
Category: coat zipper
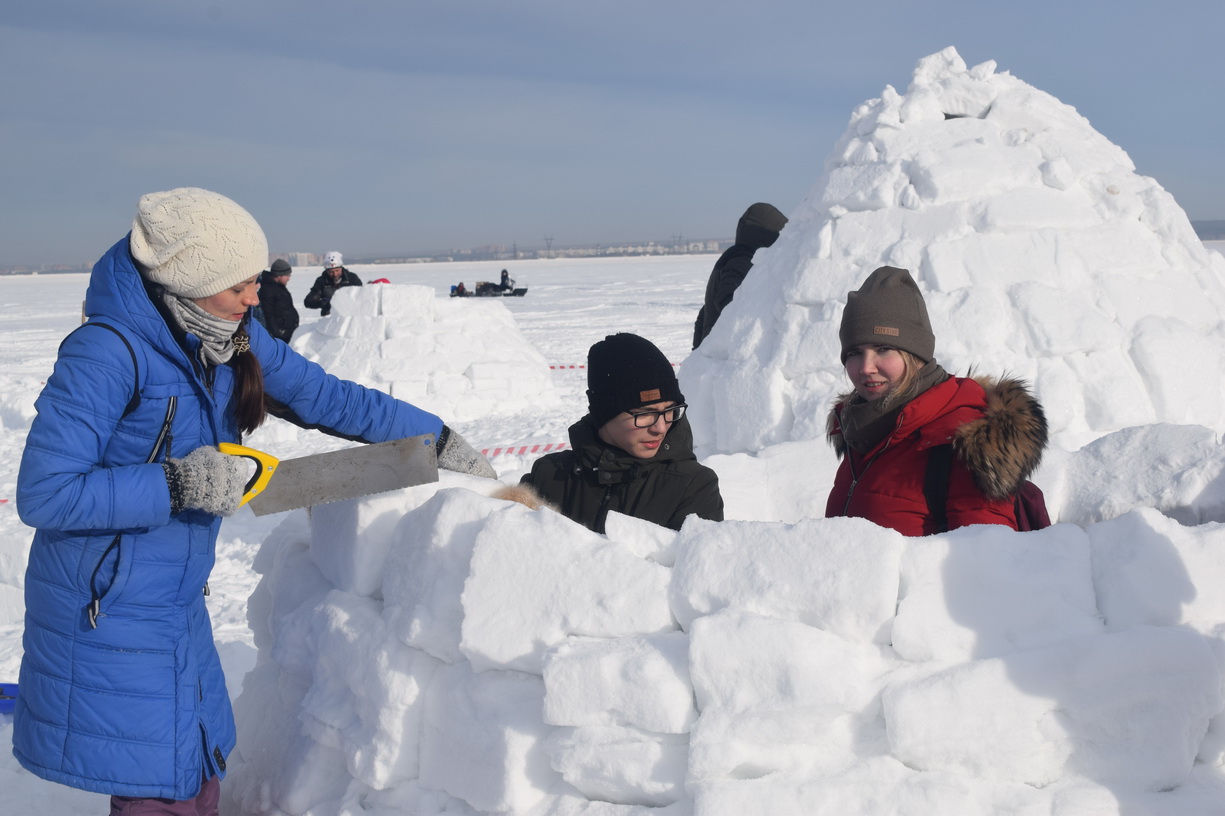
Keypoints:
pixel 855 477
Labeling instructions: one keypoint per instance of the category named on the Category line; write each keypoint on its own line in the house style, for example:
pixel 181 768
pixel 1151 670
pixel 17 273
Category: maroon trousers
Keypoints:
pixel 203 803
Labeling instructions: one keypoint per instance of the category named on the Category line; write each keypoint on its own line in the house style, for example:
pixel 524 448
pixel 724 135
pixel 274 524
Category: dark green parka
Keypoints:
pixel 587 482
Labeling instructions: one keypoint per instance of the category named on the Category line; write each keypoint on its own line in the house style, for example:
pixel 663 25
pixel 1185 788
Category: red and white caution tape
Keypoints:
pixel 520 450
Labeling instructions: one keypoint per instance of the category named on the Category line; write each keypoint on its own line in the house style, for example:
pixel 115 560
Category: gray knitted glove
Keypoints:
pixel 206 479
pixel 457 455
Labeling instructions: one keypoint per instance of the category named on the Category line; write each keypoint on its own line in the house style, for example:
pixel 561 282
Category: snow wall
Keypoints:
pixel 458 359
pixel 473 656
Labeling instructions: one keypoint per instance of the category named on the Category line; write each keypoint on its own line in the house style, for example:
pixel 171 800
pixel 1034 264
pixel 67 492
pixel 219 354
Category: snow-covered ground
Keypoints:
pixel 435 650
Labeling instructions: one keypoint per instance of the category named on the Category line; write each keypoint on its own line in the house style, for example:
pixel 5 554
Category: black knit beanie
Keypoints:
pixel 888 310
pixel 281 267
pixel 625 371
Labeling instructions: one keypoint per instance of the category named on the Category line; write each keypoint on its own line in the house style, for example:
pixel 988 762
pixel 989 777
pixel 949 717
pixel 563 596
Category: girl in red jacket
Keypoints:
pixel 904 404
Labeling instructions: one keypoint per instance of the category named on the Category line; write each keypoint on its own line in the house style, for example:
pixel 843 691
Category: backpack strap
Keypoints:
pixel 135 400
pixel 936 484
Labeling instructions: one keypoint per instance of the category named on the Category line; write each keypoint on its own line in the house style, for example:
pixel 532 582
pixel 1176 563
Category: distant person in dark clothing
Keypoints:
pixel 759 227
pixel 278 314
pixel 633 451
pixel 334 277
pixel 506 283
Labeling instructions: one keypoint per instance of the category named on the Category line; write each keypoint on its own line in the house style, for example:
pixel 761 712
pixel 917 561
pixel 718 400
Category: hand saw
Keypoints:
pixel 287 484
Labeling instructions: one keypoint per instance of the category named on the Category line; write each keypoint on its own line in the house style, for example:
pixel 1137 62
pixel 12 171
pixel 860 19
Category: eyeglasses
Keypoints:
pixel 645 419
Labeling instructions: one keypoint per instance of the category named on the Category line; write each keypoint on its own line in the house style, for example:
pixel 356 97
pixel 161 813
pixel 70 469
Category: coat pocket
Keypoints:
pixel 108 577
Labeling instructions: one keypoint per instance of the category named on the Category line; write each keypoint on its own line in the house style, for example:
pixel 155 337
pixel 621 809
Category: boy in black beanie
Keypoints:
pixel 633 451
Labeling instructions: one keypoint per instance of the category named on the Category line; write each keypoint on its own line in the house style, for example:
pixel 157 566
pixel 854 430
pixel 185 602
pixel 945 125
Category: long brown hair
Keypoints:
pixel 907 387
pixel 250 404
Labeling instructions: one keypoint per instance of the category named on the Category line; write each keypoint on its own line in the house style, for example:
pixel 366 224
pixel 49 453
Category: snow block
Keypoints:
pixel 365 697
pixel 987 591
pixel 350 539
pixel 771 702
pixel 356 301
pixel 1143 565
pixel 426 570
pixel 876 785
pixel 1127 710
pixel 643 538
pixel 483 739
pixel 406 306
pixel 839 574
pixel 538 578
pixel 621 765
pixel 640 681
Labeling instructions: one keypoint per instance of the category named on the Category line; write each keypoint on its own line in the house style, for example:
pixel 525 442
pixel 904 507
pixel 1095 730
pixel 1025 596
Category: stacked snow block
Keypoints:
pixel 462 360
pixel 437 650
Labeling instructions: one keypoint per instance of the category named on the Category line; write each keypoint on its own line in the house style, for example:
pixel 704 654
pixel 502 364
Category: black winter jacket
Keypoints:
pixel 320 295
pixel 730 271
pixel 280 316
pixel 587 482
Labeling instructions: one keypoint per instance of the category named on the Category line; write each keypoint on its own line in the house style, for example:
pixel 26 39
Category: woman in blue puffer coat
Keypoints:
pixel 121 687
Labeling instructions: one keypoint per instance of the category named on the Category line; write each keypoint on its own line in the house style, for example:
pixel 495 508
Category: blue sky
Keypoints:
pixel 377 127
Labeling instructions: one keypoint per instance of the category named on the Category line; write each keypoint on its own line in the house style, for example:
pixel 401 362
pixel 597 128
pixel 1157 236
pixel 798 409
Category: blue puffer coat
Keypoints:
pixel 138 706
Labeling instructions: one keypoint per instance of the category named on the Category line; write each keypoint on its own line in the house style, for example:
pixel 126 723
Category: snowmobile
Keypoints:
pixel 489 289
pixel 504 289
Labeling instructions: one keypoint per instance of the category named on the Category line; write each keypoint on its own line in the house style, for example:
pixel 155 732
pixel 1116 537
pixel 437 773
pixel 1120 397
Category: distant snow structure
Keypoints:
pixel 461 361
pixel 1039 250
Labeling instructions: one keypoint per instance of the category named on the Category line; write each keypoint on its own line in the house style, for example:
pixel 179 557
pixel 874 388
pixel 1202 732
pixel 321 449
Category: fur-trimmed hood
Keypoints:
pixel 1000 439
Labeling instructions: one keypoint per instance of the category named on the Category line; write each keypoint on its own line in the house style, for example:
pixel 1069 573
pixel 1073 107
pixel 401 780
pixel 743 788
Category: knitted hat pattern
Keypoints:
pixel 624 372
pixel 196 242
pixel 888 310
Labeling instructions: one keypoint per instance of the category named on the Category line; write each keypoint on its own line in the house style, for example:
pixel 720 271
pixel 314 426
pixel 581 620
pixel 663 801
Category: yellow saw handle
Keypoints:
pixel 265 466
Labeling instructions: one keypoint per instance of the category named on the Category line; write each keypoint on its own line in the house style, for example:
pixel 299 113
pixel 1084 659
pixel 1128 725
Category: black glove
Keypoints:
pixel 206 479
pixel 457 455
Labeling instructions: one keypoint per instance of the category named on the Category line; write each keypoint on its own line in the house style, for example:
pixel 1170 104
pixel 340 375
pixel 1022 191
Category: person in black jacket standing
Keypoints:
pixel 334 277
pixel 633 451
pixel 278 314
pixel 758 227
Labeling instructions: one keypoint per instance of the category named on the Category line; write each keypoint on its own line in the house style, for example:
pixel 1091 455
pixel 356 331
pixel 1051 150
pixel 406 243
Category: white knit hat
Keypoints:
pixel 196 242
pixel 332 260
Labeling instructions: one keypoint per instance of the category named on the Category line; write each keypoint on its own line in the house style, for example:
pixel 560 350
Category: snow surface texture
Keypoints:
pixel 435 650
pixel 1040 252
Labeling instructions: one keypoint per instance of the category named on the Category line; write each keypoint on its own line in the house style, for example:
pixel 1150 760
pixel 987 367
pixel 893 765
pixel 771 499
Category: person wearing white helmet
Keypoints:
pixel 334 277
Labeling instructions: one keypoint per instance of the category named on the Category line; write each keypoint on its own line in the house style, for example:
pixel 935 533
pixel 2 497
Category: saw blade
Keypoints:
pixel 348 474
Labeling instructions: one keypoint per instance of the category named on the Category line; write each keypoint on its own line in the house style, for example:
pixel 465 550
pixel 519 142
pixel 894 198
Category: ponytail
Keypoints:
pixel 250 408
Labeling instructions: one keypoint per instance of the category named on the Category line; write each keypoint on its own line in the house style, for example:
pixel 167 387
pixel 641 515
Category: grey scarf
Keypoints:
pixel 216 333
pixel 865 423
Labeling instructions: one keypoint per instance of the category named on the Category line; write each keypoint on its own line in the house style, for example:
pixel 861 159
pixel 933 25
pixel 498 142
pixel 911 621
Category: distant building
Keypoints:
pixel 301 258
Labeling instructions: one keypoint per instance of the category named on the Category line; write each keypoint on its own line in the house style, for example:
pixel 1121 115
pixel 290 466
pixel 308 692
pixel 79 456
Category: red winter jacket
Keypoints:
pixel 997 431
